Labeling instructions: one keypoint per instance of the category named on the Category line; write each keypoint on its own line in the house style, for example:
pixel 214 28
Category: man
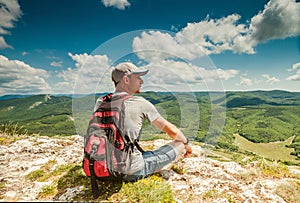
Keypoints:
pixel 127 79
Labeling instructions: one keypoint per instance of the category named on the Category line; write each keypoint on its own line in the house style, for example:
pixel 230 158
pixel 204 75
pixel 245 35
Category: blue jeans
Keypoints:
pixel 154 161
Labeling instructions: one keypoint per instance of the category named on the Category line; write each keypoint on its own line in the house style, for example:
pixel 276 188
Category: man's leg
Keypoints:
pixel 157 159
pixel 178 147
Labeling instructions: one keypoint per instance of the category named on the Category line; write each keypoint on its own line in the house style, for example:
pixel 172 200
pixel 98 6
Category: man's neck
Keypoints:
pixel 122 89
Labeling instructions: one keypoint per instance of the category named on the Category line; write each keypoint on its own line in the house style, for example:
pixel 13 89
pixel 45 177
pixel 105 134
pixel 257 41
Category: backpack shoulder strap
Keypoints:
pixel 110 97
pixel 138 146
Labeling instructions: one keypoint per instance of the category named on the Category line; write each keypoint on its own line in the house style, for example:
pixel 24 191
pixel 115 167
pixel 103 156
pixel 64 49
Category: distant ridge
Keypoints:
pixel 20 96
pixel 15 96
pixel 266 93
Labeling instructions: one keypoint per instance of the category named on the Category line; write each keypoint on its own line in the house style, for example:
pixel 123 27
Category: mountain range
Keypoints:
pixel 258 116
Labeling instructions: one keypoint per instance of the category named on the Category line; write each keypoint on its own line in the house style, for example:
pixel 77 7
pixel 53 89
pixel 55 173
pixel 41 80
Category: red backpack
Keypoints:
pixel 107 148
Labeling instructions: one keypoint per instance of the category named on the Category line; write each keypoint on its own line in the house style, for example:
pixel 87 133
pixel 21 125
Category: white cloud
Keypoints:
pixel 226 74
pixel 244 81
pixel 24 53
pixel 56 63
pixel 91 74
pixel 296 76
pixel 216 36
pixel 10 11
pixel 155 45
pixel 279 19
pixel 3 44
pixel 17 77
pixel 295 66
pixel 176 58
pixel 181 76
pixel 270 80
pixel 119 4
pixel 195 40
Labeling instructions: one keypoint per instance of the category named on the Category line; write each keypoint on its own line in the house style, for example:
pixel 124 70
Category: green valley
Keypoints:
pixel 232 121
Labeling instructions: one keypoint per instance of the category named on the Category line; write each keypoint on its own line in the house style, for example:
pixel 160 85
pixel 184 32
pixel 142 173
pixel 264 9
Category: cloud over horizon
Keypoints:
pixel 296 76
pixel 91 74
pixel 183 76
pixel 18 77
pixel 269 79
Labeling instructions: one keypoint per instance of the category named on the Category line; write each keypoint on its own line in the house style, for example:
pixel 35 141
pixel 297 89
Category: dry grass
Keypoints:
pixel 11 132
pixel 289 191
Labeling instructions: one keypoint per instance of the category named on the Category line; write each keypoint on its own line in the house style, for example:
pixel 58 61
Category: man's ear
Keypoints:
pixel 126 80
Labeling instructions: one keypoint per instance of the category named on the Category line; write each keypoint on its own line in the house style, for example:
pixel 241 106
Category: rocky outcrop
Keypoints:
pixel 27 155
pixel 203 179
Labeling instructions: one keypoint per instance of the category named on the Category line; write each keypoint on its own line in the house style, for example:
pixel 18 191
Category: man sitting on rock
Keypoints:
pixel 127 79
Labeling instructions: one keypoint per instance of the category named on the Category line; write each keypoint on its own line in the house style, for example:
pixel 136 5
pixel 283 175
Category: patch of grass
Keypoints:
pixel 2 185
pixel 65 176
pixel 273 169
pixel 10 132
pixel 245 158
pixel 57 172
pixel 35 175
pixel 2 189
pixel 289 191
pixel 178 168
pixel 47 167
pixel 272 150
pixel 210 195
pixel 250 175
pixel 46 171
pixel 74 177
pixel 48 190
pixel 151 189
pixel 214 194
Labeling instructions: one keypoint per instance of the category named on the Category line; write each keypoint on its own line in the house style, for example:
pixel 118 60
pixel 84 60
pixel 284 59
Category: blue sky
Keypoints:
pixel 67 46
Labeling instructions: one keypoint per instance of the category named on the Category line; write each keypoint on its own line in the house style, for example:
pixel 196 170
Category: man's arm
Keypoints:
pixel 173 132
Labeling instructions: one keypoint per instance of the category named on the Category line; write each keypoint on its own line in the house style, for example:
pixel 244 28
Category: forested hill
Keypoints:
pixel 273 98
pixel 259 116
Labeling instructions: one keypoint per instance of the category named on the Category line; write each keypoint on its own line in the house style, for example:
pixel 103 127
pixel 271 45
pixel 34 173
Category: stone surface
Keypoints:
pixel 205 179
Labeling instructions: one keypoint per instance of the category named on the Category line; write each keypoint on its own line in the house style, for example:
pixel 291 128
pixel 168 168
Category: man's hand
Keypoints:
pixel 188 151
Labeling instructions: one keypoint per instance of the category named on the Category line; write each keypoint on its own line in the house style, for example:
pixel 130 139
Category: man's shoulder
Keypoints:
pixel 138 99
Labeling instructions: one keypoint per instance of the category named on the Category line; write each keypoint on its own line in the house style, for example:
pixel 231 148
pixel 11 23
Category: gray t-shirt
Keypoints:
pixel 137 109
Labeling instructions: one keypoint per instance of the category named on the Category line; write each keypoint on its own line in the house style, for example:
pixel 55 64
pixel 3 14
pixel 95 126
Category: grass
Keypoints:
pixel 273 169
pixel 45 172
pixel 151 189
pixel 63 177
pixel 272 150
pixel 214 194
pixel 10 132
pixel 289 191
